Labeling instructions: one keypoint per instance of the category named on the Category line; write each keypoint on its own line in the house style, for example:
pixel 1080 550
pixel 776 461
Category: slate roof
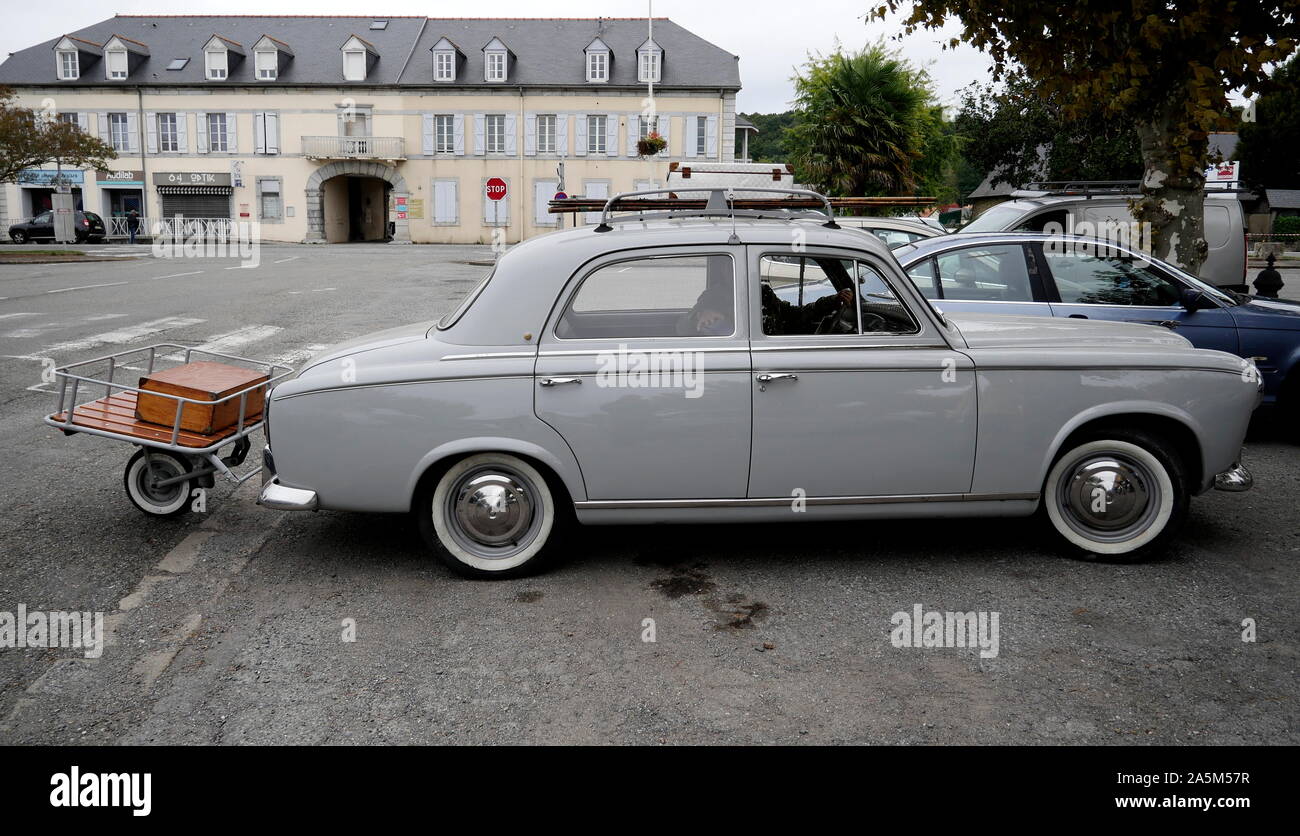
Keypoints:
pixel 1283 198
pixel 548 52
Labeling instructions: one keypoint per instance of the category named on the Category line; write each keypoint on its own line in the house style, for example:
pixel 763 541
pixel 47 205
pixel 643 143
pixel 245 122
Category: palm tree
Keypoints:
pixel 862 122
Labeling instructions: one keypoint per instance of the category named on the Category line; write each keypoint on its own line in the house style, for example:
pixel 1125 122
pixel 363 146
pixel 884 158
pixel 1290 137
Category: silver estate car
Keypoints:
pixel 648 370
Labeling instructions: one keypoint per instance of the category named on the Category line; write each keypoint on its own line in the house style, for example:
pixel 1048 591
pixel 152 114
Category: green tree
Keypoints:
pixel 1268 144
pixel 769 145
pixel 1020 136
pixel 29 139
pixel 1164 65
pixel 862 123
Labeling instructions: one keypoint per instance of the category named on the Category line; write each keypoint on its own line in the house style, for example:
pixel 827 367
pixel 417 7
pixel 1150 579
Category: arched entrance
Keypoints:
pixel 348 201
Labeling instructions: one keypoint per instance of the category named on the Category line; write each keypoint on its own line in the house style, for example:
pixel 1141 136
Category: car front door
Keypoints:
pixel 856 394
pixel 43 225
pixel 1098 282
pixel 644 370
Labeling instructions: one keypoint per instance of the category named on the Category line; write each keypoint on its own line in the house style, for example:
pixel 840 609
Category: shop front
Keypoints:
pixel 37 186
pixel 194 194
pixel 120 192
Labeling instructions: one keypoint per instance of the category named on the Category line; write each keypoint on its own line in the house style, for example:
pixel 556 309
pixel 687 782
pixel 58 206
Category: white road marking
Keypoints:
pixel 226 343
pixel 45 328
pixel 283 260
pixel 13 315
pixel 244 267
pixel 298 355
pixel 176 275
pixel 322 289
pixel 125 335
pixel 86 287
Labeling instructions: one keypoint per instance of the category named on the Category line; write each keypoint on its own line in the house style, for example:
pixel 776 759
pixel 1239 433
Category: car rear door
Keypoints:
pixel 886 409
pixel 1097 282
pixel 644 370
pixel 999 278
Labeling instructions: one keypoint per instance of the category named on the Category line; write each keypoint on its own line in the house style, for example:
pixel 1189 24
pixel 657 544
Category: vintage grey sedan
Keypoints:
pixel 648 371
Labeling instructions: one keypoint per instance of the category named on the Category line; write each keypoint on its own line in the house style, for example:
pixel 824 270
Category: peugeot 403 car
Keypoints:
pixel 730 364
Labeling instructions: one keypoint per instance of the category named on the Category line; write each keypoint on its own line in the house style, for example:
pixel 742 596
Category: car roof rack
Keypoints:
pixel 1083 188
pixel 719 202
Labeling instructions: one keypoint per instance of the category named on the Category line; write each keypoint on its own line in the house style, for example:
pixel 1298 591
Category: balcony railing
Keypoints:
pixel 354 147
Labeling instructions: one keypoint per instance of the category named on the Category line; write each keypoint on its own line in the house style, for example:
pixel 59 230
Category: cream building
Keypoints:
pixel 341 129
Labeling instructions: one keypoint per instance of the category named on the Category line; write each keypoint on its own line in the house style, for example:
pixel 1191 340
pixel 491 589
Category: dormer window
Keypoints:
pixel 69 65
pixel 649 62
pixel 598 58
pixel 496 61
pixel 268 56
pixel 115 64
pixel 219 56
pixel 218 65
pixel 446 57
pixel 357 57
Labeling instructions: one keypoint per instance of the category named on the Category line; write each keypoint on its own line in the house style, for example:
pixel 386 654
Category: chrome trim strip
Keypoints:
pixel 527 377
pixel 625 504
pixel 650 350
pixel 490 355
pixel 834 347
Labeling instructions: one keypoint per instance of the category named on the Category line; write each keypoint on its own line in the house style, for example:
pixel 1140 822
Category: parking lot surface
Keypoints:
pixel 244 625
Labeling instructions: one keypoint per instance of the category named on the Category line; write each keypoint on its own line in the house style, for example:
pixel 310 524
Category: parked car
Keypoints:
pixel 1031 211
pixel 649 372
pixel 1080 278
pixel 895 232
pixel 87 225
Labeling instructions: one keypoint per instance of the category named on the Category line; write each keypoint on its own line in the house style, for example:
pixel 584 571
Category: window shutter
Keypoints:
pixel 458 133
pixel 103 127
pixel 273 133
pixel 232 134
pixel 633 134
pixel 500 212
pixel 580 144
pixel 201 131
pixel 132 132
pixel 426 132
pixel 530 134
pixel 259 133
pixel 665 122
pixel 182 141
pixel 611 135
pixel 711 136
pixel 83 122
pixel 562 135
pixel 512 127
pixel 446 202
pixel 599 191
pixel 151 132
pixel 480 133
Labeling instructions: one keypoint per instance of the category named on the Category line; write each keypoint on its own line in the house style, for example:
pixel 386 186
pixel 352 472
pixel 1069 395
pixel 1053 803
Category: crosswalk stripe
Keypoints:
pixel 228 342
pixel 125 335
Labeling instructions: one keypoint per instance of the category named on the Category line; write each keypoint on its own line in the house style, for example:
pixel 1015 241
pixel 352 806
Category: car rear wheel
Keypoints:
pixel 1120 495
pixel 19 236
pixel 490 515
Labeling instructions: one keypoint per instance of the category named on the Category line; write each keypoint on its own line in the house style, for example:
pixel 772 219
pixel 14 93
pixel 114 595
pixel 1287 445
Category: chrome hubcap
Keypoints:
pixel 493 512
pixel 162 468
pixel 1109 497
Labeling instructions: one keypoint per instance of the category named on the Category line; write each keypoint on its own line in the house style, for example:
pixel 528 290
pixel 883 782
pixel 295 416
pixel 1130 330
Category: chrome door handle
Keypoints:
pixel 557 381
pixel 764 379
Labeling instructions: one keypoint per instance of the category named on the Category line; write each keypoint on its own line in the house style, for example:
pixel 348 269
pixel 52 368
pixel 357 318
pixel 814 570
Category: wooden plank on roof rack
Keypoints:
pixel 666 204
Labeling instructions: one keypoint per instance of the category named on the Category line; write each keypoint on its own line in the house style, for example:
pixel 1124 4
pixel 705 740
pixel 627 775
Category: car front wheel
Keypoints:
pixel 1119 496
pixel 19 236
pixel 490 515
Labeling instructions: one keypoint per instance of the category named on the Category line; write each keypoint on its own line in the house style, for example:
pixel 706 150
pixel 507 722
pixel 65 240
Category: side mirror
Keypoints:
pixel 1194 300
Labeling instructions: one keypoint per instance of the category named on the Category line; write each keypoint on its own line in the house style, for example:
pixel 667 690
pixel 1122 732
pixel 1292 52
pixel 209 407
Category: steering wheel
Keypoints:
pixel 843 321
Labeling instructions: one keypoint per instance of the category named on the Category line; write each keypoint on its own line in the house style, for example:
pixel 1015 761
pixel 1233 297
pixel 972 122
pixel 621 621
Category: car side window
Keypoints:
pixel 809 294
pixel 43 218
pixel 896 237
pixel 922 275
pixel 1108 279
pixel 662 296
pixel 996 273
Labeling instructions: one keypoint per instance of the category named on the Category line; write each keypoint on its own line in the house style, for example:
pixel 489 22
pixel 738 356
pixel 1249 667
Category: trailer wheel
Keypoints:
pixel 141 474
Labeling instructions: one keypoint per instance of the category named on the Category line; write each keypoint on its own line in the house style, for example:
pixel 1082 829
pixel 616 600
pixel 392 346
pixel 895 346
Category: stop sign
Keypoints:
pixel 496 188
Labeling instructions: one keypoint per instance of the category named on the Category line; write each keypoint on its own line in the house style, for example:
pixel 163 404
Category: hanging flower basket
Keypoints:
pixel 651 145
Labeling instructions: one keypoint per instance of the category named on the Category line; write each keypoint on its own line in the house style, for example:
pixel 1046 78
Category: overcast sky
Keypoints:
pixel 772 38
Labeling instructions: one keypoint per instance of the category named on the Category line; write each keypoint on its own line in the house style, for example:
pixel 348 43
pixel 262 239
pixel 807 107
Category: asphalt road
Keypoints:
pixel 230 626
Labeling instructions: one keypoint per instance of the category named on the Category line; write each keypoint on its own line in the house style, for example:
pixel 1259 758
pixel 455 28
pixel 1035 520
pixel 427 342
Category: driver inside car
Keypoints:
pixel 782 318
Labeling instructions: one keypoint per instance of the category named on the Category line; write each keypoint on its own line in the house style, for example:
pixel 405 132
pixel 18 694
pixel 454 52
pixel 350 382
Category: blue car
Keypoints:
pixel 1081 278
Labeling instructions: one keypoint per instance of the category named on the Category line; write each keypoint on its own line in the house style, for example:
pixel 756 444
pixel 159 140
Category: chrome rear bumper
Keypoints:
pixel 281 498
pixel 1235 479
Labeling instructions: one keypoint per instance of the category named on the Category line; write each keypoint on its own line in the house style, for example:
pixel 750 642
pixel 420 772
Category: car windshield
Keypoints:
pixel 994 220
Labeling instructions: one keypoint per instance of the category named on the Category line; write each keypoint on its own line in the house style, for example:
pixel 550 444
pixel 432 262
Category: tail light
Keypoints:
pixel 85 222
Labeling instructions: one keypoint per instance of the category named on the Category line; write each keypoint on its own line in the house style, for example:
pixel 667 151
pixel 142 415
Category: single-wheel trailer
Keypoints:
pixel 171 461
